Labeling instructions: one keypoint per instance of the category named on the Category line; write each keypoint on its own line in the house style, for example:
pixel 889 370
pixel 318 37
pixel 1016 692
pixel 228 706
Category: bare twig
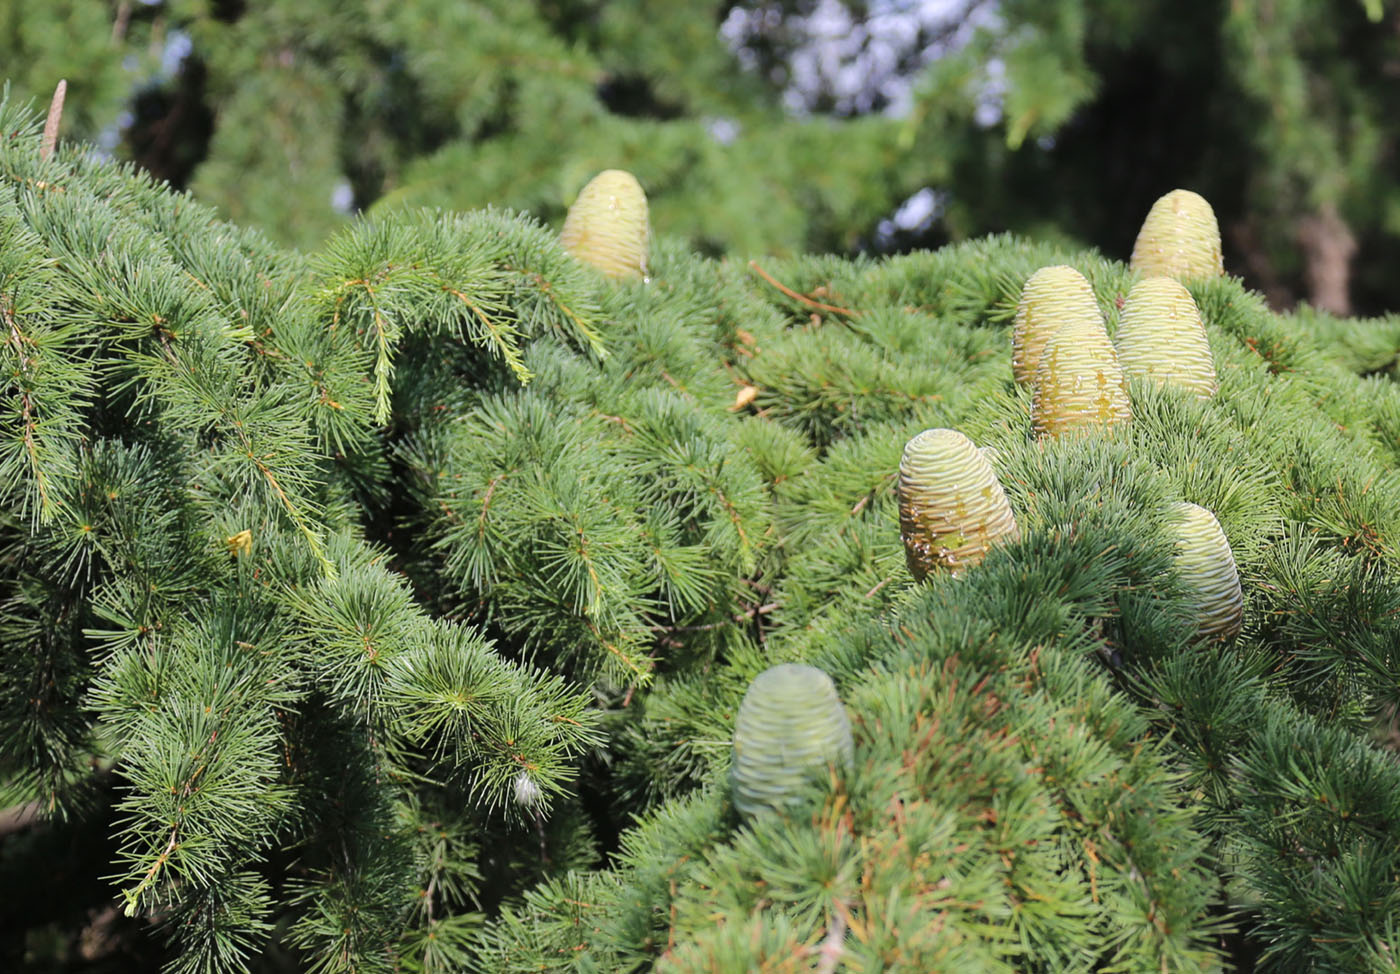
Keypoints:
pixel 134 896
pixel 753 265
pixel 55 116
pixel 871 593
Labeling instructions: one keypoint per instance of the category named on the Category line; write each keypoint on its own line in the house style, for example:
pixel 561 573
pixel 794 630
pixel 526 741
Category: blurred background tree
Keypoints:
pixel 781 126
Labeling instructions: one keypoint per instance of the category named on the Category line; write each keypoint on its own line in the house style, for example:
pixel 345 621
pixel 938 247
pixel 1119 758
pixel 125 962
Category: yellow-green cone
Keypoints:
pixel 607 225
pixel 1179 239
pixel 1160 337
pixel 790 725
pixel 1206 566
pixel 951 505
pixel 1051 297
pixel 1078 384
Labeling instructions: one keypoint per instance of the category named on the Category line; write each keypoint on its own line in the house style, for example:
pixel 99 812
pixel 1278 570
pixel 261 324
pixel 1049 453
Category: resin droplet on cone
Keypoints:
pixel 790 726
pixel 1161 337
pixel 951 505
pixel 1179 239
pixel 1206 566
pixel 1079 384
pixel 1051 298
pixel 607 225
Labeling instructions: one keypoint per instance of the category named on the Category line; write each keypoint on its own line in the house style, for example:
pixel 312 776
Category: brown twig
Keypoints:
pixel 134 895
pixel 871 593
pixel 753 265
pixel 486 505
pixel 55 116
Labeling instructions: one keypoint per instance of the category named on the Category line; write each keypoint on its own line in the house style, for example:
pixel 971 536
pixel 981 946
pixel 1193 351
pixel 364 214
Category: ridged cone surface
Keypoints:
pixel 951 505
pixel 1207 567
pixel 1180 238
pixel 1161 337
pixel 1079 384
pixel 607 225
pixel 790 725
pixel 1051 298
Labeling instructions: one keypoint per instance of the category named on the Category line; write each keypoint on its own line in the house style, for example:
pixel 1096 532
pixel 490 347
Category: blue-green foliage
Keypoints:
pixel 395 603
pixel 1167 805
pixel 203 645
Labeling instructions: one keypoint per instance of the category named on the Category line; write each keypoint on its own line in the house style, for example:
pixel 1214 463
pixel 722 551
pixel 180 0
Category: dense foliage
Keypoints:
pixel 389 608
pixel 776 126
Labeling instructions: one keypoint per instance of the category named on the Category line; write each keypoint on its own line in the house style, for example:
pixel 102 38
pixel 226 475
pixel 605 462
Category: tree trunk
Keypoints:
pixel 1328 248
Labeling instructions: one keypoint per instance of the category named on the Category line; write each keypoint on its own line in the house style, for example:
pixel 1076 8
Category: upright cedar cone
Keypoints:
pixel 1160 337
pixel 951 505
pixel 790 725
pixel 607 225
pixel 1206 565
pixel 1078 384
pixel 1051 297
pixel 1179 239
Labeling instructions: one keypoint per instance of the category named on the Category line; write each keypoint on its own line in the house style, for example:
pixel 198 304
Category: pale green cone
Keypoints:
pixel 790 726
pixel 951 505
pixel 1161 337
pixel 1206 566
pixel 1179 239
pixel 1051 298
pixel 607 225
pixel 1078 384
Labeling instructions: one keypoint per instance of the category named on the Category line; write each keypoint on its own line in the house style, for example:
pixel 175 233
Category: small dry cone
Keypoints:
pixel 1179 239
pixel 1051 298
pixel 1207 567
pixel 1160 337
pixel 607 225
pixel 790 725
pixel 951 505
pixel 1079 384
